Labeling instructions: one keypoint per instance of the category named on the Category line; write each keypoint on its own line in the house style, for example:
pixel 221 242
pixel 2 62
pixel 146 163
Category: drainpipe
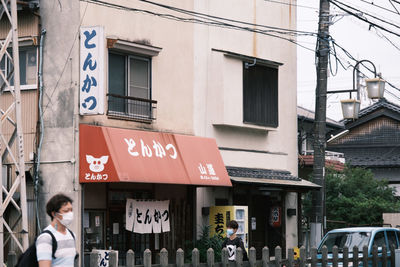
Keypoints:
pixel 40 76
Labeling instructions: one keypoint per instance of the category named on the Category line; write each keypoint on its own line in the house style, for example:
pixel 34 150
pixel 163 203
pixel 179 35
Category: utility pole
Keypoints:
pixel 318 197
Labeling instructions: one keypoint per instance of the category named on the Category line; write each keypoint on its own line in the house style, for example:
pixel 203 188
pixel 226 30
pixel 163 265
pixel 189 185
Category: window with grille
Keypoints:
pixel 129 86
pixel 260 95
pixel 27 67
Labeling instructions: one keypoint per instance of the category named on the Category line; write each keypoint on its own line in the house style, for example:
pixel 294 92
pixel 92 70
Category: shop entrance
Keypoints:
pixel 120 239
pixel 105 219
pixel 262 206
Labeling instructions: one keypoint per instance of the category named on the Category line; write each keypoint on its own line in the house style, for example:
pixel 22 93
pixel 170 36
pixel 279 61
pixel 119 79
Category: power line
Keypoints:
pixel 290 4
pixel 381 35
pixel 363 19
pixel 236 21
pixel 378 32
pixel 185 11
pixel 213 21
pixel 210 23
pixel 365 13
pixel 348 54
pixel 378 6
pixel 390 1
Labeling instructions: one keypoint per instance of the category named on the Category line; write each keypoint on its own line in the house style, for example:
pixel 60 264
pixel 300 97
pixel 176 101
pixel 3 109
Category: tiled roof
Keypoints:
pixel 373 157
pixel 308 160
pixel 261 173
pixel 310 115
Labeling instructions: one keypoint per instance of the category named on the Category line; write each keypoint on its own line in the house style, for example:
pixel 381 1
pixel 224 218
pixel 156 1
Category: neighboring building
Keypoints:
pixel 305 141
pixel 373 141
pixel 29 34
pixel 305 133
pixel 140 107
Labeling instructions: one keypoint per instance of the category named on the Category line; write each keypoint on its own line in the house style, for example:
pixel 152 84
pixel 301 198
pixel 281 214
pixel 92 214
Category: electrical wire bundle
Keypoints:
pixel 290 35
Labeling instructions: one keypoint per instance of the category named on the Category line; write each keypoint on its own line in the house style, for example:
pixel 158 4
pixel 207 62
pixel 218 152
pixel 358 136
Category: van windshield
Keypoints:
pixel 345 239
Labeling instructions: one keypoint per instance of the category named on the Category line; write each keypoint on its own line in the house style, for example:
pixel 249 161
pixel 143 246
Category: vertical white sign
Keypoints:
pixel 139 226
pixel 130 214
pixel 165 217
pixel 105 258
pixel 91 71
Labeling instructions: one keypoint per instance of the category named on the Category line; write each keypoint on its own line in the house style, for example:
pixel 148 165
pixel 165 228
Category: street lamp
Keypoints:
pixel 375 90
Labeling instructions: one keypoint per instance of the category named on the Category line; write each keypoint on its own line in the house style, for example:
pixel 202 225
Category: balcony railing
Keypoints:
pixel 131 108
pixel 329 155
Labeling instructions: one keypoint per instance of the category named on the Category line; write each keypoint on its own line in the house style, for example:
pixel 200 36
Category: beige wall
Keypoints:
pixel 172 69
pixel 196 87
pixel 222 93
pixel 391 218
pixel 218 86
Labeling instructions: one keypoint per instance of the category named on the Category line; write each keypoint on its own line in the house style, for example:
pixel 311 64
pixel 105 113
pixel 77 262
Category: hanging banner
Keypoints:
pixel 165 216
pixel 157 217
pixel 140 213
pixel 130 215
pixel 275 216
pixel 91 71
pixel 147 216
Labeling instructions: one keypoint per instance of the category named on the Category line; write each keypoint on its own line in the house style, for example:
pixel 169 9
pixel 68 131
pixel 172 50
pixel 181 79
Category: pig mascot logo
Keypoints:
pixel 96 164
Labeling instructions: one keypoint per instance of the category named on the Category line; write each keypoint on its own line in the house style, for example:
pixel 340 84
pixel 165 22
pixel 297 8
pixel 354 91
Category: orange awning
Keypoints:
pixel 121 155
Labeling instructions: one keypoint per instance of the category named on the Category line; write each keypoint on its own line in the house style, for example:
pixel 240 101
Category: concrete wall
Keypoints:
pixel 218 86
pixel 59 168
pixel 172 68
pixel 391 218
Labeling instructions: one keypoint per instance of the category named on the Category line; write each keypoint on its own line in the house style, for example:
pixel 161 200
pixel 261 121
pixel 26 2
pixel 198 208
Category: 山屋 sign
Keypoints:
pixel 121 155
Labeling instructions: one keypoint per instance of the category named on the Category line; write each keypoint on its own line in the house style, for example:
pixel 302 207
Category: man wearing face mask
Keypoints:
pixel 59 208
pixel 232 242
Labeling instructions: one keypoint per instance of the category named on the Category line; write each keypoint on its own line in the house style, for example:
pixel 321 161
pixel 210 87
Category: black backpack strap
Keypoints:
pixel 53 242
pixel 72 233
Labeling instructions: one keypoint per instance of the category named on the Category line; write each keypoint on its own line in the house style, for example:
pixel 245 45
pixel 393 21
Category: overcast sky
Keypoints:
pixel 356 37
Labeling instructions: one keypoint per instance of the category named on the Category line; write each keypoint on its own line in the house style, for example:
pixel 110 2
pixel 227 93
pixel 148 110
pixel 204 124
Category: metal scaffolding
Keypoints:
pixel 12 114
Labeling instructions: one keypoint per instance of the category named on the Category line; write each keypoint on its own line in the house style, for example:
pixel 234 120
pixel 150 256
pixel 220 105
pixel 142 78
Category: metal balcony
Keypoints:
pixel 131 108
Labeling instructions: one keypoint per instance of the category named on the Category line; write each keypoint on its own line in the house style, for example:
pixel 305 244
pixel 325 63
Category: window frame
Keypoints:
pixel 393 233
pixel 375 238
pixel 25 86
pixel 128 76
pixel 126 114
pixel 265 123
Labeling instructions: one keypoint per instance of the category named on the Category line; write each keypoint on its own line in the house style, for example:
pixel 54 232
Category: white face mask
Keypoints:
pixel 66 218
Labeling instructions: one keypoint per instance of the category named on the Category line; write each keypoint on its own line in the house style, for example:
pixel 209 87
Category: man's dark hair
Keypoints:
pixel 232 224
pixel 55 203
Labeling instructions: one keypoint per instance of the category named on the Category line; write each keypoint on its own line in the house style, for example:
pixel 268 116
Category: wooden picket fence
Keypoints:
pixel 360 258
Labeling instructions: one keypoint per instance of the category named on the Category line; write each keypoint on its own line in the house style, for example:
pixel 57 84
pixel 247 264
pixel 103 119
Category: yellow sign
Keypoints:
pixel 219 216
pixel 296 253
